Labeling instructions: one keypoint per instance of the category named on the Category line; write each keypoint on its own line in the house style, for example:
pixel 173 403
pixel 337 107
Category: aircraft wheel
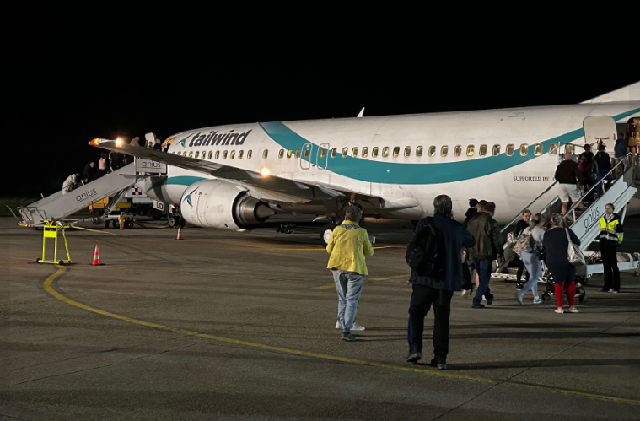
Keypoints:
pixel 106 224
pixel 128 224
pixel 173 221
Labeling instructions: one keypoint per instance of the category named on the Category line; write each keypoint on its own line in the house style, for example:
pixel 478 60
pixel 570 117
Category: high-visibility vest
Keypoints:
pixel 611 231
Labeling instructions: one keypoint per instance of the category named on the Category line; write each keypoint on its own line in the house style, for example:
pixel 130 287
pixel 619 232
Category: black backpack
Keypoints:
pixel 426 251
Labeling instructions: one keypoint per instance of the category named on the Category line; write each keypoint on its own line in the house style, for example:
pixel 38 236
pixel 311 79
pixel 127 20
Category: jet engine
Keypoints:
pixel 220 204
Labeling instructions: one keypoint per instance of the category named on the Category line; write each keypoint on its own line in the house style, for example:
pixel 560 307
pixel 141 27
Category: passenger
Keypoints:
pixel 611 234
pixel 589 169
pixel 115 159
pixel 620 153
pixel 157 145
pixel 104 166
pixel 428 291
pixel 467 272
pixel 563 273
pixel 348 246
pixel 570 180
pixel 519 228
pixel 126 158
pixel 89 172
pixel 71 183
pixel 486 232
pixel 603 160
pixel 531 258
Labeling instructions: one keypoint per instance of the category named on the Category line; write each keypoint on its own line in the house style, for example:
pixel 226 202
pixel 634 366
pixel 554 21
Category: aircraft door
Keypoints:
pixel 322 156
pixel 600 128
pixel 305 158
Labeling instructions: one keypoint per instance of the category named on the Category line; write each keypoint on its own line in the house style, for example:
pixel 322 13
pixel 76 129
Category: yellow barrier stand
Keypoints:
pixel 51 229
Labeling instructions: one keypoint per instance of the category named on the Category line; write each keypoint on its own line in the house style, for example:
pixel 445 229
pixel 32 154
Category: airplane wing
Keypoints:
pixel 270 188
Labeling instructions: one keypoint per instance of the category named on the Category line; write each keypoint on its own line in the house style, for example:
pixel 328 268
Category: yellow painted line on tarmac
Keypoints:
pixel 413 369
pixel 327 286
pixel 94 230
pixel 388 278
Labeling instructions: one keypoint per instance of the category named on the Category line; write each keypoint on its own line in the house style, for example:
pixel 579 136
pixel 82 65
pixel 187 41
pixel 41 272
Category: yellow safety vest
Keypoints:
pixel 611 231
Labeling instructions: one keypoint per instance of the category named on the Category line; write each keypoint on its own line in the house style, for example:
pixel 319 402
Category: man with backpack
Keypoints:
pixel 434 256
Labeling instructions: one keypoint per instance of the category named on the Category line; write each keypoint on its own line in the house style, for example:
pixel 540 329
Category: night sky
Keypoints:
pixel 63 93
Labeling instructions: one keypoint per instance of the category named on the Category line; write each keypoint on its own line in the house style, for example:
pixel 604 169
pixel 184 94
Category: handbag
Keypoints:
pixel 575 256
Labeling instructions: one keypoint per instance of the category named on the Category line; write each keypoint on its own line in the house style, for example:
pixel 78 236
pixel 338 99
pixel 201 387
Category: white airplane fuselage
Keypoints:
pixel 485 157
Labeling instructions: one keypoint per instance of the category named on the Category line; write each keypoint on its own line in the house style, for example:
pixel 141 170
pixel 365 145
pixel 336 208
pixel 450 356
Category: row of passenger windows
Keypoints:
pixel 375 152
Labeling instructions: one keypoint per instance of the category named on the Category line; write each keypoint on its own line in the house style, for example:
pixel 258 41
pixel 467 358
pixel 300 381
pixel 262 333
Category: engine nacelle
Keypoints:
pixel 219 204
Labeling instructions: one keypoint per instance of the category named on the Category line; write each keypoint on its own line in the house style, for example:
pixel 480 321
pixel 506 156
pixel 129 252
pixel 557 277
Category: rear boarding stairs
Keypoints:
pixel 113 185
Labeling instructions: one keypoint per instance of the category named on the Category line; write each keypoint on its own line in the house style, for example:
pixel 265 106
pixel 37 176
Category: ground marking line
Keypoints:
pixel 329 286
pixel 321 249
pixel 61 269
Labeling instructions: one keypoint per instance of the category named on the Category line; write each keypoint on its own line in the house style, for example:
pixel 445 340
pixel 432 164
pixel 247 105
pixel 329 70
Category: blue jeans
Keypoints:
pixel 483 269
pixel 534 267
pixel 349 288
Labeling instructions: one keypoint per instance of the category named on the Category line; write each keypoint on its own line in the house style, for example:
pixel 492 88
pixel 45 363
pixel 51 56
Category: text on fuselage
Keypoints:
pixel 215 138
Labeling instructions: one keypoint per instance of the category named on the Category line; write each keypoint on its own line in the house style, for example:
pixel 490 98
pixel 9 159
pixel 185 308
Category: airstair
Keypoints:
pixel 112 185
pixel 584 219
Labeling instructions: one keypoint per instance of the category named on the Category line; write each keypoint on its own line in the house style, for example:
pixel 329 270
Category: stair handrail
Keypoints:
pixel 572 212
pixel 526 207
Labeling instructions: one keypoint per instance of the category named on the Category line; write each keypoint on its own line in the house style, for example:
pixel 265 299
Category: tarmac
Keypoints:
pixel 227 325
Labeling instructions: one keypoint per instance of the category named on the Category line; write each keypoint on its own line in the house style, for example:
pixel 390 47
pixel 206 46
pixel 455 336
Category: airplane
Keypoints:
pixel 237 176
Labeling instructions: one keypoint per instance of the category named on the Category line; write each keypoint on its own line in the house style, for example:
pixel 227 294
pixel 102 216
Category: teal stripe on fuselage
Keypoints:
pixel 406 173
pixel 179 180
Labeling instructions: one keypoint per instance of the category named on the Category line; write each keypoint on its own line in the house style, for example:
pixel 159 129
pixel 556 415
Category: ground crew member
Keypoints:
pixel 610 236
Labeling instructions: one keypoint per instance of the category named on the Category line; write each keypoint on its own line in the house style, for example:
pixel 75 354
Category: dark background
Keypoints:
pixel 73 83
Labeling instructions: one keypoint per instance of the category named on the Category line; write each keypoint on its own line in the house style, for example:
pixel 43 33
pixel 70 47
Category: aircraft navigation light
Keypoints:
pixel 95 141
pixel 265 172
pixel 118 142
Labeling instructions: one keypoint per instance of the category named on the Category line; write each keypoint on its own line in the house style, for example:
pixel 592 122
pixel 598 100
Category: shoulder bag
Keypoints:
pixel 574 254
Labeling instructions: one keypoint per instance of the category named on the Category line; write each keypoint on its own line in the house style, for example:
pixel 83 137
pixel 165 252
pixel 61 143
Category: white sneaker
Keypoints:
pixel 483 298
pixel 613 291
pixel 356 327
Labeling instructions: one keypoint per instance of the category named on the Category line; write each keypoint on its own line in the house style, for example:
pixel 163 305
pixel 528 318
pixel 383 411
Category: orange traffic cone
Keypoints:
pixel 178 237
pixel 96 257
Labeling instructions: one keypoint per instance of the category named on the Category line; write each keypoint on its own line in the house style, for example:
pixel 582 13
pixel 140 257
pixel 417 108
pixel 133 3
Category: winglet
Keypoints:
pixel 361 113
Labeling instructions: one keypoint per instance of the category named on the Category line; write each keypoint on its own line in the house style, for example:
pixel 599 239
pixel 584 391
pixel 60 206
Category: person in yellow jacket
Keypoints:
pixel 348 246
pixel 611 233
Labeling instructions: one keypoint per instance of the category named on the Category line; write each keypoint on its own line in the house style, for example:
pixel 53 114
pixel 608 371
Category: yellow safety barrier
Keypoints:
pixel 51 229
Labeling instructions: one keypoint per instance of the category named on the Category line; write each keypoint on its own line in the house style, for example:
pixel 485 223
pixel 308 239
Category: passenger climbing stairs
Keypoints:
pixel 58 205
pixel 584 219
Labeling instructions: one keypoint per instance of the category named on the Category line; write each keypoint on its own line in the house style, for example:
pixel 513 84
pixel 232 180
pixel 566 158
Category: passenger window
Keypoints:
pixel 432 151
pixel 375 152
pixel 553 149
pixel 334 152
pixel 323 152
pixel 265 153
pixel 419 151
pixel 224 154
pixel 217 154
pixel 444 151
pixel 249 154
pixel 510 149
pixel 396 151
pixel 495 151
pixel 569 148
pixel 354 152
pixel 240 154
pixel 344 152
pixel 184 153
pixel 233 154
pixel 524 149
pixel 306 153
pixel 280 153
pixel 191 154
pixel 457 151
pixel 197 155
pixel 470 150
pixel 209 157
pixel 537 150
pixel 297 154
pixel 483 150
pixel 385 151
pixel 289 153
pixel 365 152
pixel 407 151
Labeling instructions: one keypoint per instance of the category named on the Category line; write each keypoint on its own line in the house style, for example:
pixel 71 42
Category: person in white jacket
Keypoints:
pixel 70 183
pixel 531 258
